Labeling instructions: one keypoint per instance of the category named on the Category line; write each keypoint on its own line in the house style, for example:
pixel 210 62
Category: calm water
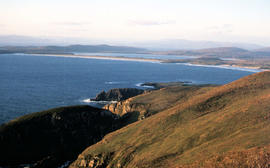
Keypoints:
pixel 34 83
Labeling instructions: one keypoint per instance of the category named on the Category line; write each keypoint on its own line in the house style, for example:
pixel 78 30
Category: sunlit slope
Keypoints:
pixel 150 103
pixel 220 122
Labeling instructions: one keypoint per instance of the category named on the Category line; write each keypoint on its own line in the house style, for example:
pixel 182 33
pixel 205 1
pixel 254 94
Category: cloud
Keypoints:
pixel 79 30
pixel 150 22
pixel 71 23
pixel 222 29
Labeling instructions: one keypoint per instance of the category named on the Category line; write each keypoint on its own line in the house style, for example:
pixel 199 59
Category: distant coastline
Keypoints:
pixel 100 57
pixel 225 66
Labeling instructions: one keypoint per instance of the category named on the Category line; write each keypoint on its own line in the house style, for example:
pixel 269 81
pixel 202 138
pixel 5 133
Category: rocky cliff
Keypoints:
pixel 125 108
pixel 50 138
pixel 118 94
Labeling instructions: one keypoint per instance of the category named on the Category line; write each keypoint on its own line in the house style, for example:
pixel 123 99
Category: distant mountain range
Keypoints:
pixel 223 52
pixel 169 44
pixel 180 44
pixel 24 44
pixel 266 49
pixel 220 52
pixel 69 49
pixel 13 40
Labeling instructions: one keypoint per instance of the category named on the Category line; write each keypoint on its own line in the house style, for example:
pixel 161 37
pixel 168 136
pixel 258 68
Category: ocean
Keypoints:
pixel 31 83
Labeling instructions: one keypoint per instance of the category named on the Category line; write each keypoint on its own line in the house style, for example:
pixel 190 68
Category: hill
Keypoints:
pixel 181 44
pixel 46 139
pixel 164 45
pixel 225 126
pixel 224 56
pixel 266 49
pixel 223 52
pixel 222 49
pixel 92 48
pixel 51 138
pixel 178 125
pixel 69 49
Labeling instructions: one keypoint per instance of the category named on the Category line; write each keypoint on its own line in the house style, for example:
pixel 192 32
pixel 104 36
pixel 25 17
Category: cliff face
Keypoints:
pixel 50 138
pixel 125 108
pixel 118 94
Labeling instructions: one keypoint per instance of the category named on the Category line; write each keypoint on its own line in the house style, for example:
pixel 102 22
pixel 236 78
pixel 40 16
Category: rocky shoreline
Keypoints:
pixel 118 94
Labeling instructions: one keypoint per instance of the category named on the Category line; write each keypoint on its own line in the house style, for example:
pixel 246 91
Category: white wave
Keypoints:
pixel 87 100
pixel 98 102
pixel 139 84
pixel 113 83
pixel 145 86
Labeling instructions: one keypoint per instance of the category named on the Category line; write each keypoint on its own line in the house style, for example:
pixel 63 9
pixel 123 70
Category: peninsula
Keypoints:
pixel 176 126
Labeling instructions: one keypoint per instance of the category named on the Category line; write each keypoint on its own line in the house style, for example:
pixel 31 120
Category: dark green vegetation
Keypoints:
pixel 223 126
pixel 68 49
pixel 118 94
pixel 163 85
pixel 50 138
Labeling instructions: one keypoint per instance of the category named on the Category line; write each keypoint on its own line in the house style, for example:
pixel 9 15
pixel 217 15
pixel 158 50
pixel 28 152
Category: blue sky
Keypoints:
pixel 215 20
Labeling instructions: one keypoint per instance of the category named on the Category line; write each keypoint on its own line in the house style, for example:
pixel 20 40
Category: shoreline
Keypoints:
pixel 101 57
pixel 225 66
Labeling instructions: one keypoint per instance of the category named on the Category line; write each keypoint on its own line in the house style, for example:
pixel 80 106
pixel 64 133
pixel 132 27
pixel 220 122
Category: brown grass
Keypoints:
pixel 206 124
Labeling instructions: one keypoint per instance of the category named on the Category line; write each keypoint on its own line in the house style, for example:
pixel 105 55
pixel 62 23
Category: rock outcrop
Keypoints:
pixel 128 106
pixel 51 138
pixel 118 94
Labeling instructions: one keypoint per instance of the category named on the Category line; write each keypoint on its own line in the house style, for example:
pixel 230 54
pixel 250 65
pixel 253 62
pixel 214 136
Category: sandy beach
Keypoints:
pixel 244 68
pixel 101 57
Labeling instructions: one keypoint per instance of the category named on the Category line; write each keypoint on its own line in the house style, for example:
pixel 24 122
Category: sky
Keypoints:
pixel 139 20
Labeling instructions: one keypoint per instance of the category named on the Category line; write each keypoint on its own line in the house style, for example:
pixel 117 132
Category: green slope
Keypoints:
pixel 52 137
pixel 209 123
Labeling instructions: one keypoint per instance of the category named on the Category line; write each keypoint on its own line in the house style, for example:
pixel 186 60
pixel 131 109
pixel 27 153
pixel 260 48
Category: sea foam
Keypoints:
pixel 97 102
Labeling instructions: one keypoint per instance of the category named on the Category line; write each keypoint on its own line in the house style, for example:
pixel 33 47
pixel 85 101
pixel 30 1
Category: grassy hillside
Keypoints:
pixel 50 138
pixel 150 103
pixel 218 127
